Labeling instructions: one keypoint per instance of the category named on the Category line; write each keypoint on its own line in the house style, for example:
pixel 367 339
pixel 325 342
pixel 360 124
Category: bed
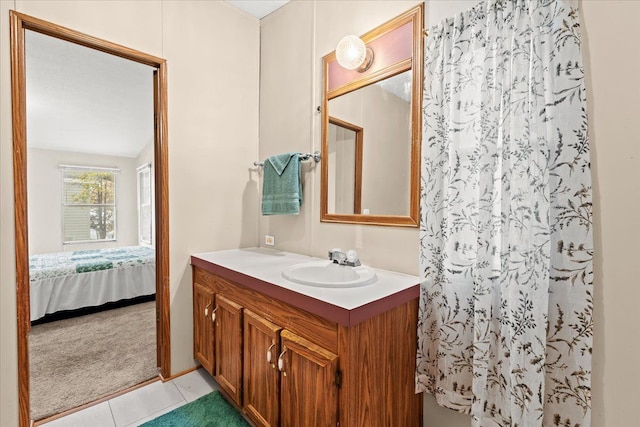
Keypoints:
pixel 75 280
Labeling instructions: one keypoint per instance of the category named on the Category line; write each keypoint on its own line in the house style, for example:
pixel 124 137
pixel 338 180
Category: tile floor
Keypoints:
pixel 141 405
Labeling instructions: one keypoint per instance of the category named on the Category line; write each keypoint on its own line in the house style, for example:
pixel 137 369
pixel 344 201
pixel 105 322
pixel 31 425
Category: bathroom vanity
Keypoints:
pixel 290 354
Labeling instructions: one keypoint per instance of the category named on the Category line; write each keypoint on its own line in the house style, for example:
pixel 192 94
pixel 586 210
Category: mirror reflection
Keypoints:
pixel 382 111
pixel 345 166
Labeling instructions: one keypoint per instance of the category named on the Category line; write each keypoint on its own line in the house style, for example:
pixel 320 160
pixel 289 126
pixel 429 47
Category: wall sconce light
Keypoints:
pixel 353 54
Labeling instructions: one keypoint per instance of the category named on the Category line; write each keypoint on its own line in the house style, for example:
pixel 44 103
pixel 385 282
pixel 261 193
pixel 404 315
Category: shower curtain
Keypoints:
pixel 505 323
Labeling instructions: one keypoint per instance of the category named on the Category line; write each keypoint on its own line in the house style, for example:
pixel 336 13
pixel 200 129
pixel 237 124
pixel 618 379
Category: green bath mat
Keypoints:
pixel 211 410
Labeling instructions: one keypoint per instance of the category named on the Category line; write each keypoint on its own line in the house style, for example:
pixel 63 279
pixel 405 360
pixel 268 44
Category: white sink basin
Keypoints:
pixel 330 275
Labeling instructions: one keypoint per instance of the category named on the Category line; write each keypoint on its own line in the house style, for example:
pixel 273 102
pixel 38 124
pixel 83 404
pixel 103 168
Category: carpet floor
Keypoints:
pixel 211 410
pixel 79 360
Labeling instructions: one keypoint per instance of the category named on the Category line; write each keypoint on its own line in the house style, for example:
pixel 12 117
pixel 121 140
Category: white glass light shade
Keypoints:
pixel 351 52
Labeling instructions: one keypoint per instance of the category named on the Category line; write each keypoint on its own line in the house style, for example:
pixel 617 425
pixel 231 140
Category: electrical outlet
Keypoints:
pixel 269 240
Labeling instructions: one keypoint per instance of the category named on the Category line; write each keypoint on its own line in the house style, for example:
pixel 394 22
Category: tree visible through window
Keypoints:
pixel 89 205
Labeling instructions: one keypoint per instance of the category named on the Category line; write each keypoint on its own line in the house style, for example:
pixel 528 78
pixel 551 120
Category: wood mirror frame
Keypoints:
pixel 414 62
pixel 19 24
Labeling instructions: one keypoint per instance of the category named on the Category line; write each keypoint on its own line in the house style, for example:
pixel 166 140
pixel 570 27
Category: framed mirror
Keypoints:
pixel 371 128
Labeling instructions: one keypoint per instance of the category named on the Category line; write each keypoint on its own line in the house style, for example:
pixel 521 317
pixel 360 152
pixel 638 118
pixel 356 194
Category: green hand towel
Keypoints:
pixel 281 185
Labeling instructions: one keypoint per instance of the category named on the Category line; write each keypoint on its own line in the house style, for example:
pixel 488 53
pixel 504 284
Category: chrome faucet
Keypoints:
pixel 350 258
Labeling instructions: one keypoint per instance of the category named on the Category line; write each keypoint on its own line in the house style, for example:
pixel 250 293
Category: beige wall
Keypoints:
pixel 44 181
pixel 612 60
pixel 286 111
pixel 212 51
pixel 145 155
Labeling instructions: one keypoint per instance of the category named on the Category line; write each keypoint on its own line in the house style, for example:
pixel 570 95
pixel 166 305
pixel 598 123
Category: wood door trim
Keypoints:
pixel 18 24
pixel 19 109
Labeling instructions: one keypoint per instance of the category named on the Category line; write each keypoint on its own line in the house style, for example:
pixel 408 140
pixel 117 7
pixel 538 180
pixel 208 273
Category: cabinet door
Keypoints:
pixel 228 352
pixel 261 383
pixel 203 326
pixel 309 393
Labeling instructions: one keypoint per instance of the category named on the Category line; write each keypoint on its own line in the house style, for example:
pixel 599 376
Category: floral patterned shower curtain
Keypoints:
pixel 505 328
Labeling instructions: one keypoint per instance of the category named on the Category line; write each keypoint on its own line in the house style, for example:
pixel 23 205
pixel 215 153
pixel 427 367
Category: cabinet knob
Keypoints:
pixel 269 357
pixel 206 310
pixel 281 362
pixel 213 314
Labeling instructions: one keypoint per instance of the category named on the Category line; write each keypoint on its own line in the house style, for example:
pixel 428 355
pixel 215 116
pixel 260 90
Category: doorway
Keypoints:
pixel 20 24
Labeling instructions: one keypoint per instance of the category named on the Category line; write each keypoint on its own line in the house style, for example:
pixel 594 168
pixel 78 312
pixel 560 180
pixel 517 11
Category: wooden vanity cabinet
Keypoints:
pixel 203 331
pixel 228 346
pixel 216 316
pixel 288 380
pixel 310 379
pixel 261 379
pixel 285 366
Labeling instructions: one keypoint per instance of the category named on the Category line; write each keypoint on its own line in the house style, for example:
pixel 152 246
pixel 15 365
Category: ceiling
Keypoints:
pixel 86 101
pixel 258 8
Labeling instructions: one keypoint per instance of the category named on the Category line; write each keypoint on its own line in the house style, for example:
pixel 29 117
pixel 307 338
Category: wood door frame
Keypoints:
pixel 18 24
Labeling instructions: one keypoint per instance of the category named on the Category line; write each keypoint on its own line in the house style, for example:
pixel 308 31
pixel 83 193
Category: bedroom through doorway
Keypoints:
pixel 90 183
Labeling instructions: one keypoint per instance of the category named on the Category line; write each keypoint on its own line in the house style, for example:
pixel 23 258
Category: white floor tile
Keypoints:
pixel 94 416
pixel 157 414
pixel 195 384
pixel 144 402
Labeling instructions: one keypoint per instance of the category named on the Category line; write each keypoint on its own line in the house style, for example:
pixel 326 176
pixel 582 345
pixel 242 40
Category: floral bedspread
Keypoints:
pixel 46 266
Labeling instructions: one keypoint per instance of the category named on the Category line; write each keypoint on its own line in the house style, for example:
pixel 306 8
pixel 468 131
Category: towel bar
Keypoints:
pixel 315 156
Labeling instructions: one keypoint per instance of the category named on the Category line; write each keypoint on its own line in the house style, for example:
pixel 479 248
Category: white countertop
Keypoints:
pixel 267 265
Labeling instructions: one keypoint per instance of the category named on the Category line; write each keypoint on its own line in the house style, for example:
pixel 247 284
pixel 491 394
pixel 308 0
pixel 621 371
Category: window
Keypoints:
pixel 145 206
pixel 88 204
